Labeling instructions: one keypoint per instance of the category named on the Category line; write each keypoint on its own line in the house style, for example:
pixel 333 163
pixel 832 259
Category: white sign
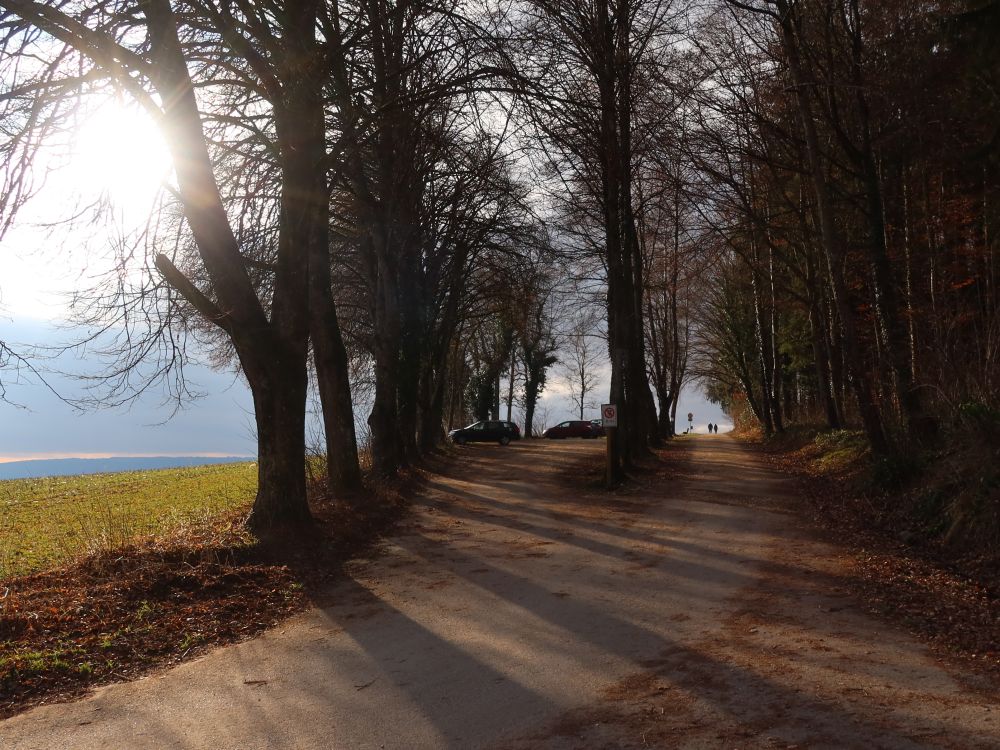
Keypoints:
pixel 609 415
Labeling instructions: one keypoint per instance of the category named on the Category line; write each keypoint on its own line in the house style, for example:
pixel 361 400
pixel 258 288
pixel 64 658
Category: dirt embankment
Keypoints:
pixel 946 593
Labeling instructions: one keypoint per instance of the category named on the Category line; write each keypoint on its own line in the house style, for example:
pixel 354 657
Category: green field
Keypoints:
pixel 46 522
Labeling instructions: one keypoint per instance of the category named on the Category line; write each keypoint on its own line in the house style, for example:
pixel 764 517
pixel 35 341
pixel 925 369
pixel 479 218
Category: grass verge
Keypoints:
pixel 52 521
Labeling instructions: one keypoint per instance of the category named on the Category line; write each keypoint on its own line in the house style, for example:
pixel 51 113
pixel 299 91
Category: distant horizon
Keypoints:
pixel 24 457
pixel 218 424
pixel 43 468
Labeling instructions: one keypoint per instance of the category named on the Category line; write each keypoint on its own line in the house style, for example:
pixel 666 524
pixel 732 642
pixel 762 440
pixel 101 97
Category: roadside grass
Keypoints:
pixel 840 450
pixel 48 522
pixel 106 577
pixel 115 616
pixel 820 452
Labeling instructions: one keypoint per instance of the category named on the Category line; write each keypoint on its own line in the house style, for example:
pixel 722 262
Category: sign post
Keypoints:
pixel 609 420
pixel 690 420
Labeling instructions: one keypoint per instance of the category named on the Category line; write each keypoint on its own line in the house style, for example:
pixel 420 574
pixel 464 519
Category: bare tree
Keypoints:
pixel 172 65
pixel 581 360
pixel 597 65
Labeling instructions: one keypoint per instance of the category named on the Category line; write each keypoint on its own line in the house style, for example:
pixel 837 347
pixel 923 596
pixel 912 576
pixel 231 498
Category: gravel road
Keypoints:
pixel 512 610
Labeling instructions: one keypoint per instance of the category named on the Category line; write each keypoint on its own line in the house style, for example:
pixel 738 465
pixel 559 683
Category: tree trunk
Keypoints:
pixel 302 132
pixel 432 416
pixel 664 423
pixel 413 354
pixel 530 399
pixel 330 356
pixel 675 397
pixel 777 377
pixel 821 357
pixel 763 349
pixel 510 386
pixel 870 414
pixel 495 401
pixel 383 420
pixel 279 396
pixel 893 326
pixel 640 398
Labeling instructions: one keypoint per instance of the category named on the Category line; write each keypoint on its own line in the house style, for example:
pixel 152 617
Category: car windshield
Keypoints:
pixel 476 426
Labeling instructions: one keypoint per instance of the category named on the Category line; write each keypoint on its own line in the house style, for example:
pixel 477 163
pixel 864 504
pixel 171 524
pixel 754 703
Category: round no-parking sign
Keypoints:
pixel 609 415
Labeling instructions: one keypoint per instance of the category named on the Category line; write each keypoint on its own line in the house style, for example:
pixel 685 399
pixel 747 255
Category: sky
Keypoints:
pixel 220 423
pixel 38 424
pixel 556 406
pixel 117 153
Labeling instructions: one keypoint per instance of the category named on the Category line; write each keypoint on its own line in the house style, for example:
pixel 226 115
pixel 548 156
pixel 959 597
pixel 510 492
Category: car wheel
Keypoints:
pixel 504 440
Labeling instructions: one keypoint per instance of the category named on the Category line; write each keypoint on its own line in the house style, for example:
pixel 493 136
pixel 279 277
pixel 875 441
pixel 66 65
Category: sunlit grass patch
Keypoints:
pixel 29 662
pixel 46 522
pixel 839 449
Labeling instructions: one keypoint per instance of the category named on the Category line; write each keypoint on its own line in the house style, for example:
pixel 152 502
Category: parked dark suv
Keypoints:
pixel 487 431
pixel 575 428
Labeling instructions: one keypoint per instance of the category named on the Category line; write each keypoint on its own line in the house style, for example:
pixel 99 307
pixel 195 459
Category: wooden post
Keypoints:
pixel 609 420
pixel 612 450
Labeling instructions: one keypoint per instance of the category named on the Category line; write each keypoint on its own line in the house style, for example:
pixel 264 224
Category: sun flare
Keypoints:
pixel 118 152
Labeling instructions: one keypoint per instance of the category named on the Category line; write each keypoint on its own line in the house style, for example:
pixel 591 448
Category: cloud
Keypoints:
pixel 44 426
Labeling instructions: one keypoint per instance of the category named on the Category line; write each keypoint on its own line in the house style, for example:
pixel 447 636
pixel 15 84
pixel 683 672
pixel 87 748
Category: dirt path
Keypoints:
pixel 510 612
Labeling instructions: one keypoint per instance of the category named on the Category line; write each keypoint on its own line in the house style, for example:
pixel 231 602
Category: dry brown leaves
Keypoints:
pixel 948 599
pixel 116 616
pixel 670 462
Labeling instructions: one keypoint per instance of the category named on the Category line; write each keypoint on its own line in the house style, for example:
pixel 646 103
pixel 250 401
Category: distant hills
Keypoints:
pixel 61 467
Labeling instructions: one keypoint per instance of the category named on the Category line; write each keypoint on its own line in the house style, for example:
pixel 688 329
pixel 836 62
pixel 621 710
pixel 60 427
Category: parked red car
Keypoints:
pixel 574 428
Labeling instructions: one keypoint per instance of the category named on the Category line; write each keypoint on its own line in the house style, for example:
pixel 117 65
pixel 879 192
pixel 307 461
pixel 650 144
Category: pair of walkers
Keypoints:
pixel 713 428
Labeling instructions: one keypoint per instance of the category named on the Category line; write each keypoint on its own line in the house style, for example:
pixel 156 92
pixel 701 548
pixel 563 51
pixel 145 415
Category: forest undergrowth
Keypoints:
pixel 921 530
